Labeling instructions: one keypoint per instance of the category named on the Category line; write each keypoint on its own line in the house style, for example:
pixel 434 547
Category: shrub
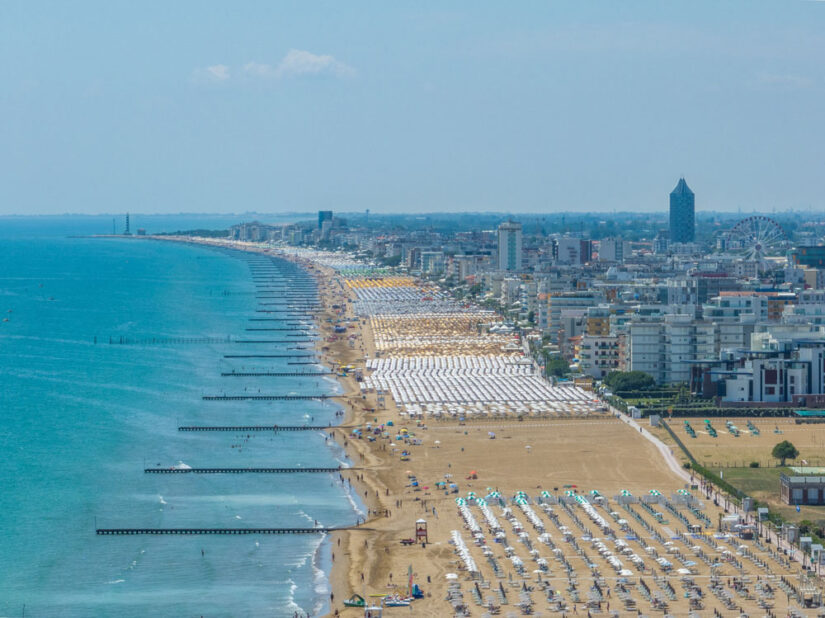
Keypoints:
pixel 754 464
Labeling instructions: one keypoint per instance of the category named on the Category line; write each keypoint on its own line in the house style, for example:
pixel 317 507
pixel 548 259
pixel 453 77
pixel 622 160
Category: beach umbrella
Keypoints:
pixel 460 501
pixel 451 576
pixel 437 442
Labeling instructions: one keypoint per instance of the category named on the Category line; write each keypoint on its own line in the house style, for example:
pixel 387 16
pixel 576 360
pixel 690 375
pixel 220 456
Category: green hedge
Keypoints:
pixel 652 394
pixel 721 483
pixel 695 412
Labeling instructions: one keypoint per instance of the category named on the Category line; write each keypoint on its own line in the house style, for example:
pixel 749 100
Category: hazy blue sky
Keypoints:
pixel 410 106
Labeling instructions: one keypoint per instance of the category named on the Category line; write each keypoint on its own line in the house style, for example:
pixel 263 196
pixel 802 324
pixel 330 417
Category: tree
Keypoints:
pixel 393 260
pixel 556 366
pixel 784 450
pixel 629 380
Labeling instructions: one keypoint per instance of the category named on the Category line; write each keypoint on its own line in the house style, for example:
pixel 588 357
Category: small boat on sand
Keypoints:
pixel 356 600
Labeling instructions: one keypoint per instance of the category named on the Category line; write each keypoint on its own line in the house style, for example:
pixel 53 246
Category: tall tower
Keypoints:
pixel 127 231
pixel 682 209
pixel 324 215
pixel 509 246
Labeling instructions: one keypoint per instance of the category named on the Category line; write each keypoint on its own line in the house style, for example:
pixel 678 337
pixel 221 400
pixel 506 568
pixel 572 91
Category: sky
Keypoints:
pixel 547 106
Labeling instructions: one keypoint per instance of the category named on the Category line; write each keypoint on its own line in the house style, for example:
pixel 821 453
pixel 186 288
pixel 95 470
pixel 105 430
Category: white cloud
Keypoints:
pixel 219 71
pixel 298 62
pixel 256 69
pixel 212 74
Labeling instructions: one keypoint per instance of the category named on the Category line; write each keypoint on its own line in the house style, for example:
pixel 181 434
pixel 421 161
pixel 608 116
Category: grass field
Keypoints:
pixel 728 450
pixel 763 485
pixel 729 456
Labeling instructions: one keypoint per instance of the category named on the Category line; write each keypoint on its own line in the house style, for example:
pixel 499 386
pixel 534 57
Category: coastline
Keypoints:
pixel 341 551
pixel 364 558
pixel 598 453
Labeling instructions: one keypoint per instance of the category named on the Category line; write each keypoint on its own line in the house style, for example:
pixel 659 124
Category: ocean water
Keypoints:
pixel 80 418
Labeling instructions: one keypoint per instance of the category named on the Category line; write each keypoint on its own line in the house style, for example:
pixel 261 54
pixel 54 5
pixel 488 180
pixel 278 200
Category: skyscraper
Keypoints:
pixel 324 215
pixel 509 246
pixel 682 223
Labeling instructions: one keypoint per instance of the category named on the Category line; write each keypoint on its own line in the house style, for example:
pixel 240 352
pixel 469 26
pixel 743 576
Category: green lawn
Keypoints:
pixel 760 483
pixel 763 485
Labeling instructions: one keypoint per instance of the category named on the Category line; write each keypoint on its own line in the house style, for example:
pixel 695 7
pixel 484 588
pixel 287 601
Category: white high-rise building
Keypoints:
pixel 509 246
pixel 664 346
pixel 613 250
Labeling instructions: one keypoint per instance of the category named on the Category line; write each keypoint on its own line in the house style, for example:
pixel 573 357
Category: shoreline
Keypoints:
pixel 336 578
pixel 363 557
pixel 596 452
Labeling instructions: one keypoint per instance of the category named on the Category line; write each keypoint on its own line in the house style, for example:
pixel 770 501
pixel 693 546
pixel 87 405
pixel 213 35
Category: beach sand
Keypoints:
pixel 599 452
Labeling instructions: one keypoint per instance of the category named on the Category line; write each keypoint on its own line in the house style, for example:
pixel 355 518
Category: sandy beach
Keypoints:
pixel 530 455
pixel 423 468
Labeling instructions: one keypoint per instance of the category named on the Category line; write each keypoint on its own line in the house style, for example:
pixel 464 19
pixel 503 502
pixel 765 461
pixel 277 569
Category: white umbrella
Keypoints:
pixel 451 576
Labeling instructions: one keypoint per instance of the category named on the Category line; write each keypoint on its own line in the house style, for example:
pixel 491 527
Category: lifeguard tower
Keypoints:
pixel 421 531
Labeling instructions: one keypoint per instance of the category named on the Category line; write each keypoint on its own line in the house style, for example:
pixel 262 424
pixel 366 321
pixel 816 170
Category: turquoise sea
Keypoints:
pixel 81 418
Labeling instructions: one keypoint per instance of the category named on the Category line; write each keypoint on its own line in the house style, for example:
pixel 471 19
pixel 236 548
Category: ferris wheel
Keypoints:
pixel 756 237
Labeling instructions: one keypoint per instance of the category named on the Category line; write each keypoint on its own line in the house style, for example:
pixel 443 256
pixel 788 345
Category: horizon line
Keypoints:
pixel 439 213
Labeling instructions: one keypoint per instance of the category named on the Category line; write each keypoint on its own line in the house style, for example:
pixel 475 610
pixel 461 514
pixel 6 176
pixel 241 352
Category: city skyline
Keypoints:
pixel 290 108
